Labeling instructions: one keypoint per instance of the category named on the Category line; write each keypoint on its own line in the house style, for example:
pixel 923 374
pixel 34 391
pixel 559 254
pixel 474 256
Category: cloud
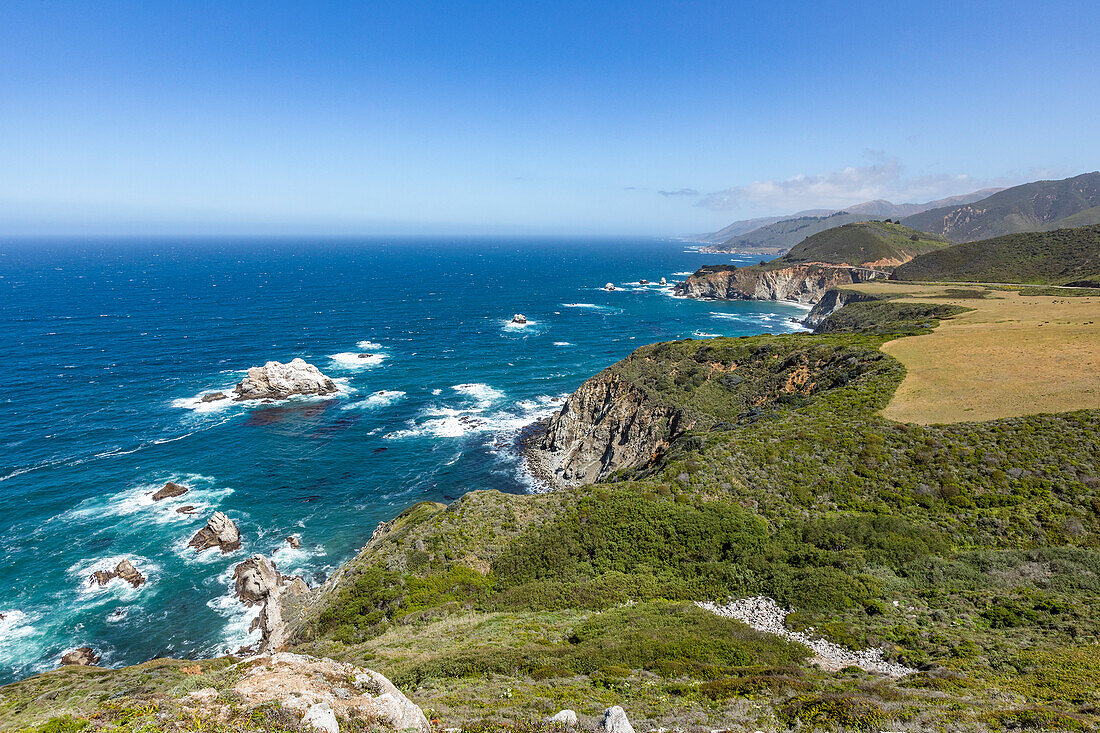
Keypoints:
pixel 680 192
pixel 883 179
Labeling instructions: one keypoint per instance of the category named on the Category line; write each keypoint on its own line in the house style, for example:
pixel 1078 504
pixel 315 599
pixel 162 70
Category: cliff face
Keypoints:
pixel 830 303
pixel 800 283
pixel 605 425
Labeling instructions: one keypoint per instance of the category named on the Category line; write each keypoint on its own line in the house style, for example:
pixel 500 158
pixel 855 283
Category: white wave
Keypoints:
pixel 437 392
pixel 449 422
pixel 683 274
pixel 584 305
pixel 296 560
pixel 368 345
pixel 480 391
pixel 235 633
pixel 702 335
pixel 381 398
pixel 356 360
pixel 14 625
pixel 562 343
pixel 196 404
pixel 203 495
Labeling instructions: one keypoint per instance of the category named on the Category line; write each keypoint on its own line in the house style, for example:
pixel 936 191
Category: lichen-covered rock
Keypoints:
pixel 84 656
pixel 615 721
pixel 220 531
pixel 277 381
pixel 568 718
pixel 320 717
pixel 302 682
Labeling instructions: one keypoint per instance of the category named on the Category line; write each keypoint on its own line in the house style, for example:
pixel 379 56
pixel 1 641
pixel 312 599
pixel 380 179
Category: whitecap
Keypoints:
pixel 703 335
pixel 356 360
pixel 562 343
pixel 203 495
pixel 437 392
pixel 480 391
pixel 368 345
pixel 381 398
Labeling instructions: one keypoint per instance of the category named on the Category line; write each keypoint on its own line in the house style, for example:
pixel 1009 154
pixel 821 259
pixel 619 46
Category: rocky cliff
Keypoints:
pixel 832 301
pixel 799 283
pixel 605 425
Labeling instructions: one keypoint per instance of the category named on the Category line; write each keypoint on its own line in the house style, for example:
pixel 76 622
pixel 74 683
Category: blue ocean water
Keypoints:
pixel 107 344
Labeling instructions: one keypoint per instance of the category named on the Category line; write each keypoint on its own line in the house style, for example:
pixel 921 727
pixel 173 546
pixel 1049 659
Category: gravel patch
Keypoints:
pixel 764 614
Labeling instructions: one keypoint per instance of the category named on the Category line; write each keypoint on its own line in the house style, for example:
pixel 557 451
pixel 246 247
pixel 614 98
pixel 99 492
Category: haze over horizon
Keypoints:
pixel 430 118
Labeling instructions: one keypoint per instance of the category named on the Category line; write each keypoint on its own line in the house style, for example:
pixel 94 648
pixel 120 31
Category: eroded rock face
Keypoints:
pixel 124 570
pixel 799 283
pixel 277 381
pixel 170 490
pixel 301 682
pixel 830 303
pixel 85 656
pixel 605 425
pixel 258 582
pixel 220 531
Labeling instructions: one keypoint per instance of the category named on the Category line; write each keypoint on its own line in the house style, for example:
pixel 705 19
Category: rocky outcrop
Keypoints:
pixel 309 685
pixel 567 717
pixel 798 283
pixel 830 303
pixel 277 381
pixel 124 570
pixel 605 425
pixel 220 531
pixel 213 397
pixel 259 583
pixel 170 490
pixel 85 656
pixel 294 541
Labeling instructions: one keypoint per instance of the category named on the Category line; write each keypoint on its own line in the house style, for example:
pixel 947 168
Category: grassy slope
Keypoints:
pixel 1038 206
pixel 1061 257
pixel 969 549
pixel 864 242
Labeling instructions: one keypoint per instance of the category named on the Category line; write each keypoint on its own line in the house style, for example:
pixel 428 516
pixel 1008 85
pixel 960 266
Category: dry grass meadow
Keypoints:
pixel 1011 355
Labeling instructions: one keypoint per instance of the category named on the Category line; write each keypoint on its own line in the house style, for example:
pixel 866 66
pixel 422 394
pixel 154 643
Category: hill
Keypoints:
pixel 778 234
pixel 870 243
pixel 1060 257
pixel 1038 206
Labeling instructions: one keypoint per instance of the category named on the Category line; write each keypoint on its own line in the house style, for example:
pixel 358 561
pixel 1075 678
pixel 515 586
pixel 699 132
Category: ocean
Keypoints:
pixel 107 344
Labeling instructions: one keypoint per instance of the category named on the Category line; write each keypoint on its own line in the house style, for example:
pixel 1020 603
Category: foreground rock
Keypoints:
pixel 764 614
pixel 169 491
pixel 568 718
pixel 615 721
pixel 277 381
pixel 220 531
pixel 124 570
pixel 259 583
pixel 605 425
pixel 85 656
pixel 303 683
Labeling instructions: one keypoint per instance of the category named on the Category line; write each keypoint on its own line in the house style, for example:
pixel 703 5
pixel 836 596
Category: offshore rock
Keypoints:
pixel 169 491
pixel 85 656
pixel 220 531
pixel 294 541
pixel 605 425
pixel 277 381
pixel 258 582
pixel 124 570
pixel 798 283
pixel 214 397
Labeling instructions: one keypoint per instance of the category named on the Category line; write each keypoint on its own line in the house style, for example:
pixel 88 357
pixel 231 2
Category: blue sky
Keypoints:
pixel 556 117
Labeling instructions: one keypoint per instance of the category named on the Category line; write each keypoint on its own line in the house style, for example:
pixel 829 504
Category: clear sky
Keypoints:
pixel 586 117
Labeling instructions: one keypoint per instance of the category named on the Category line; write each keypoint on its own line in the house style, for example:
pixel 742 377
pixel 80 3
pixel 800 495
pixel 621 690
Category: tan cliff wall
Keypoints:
pixel 798 283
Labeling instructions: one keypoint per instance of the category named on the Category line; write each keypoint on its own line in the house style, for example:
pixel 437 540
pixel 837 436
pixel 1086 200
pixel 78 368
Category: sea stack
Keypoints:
pixel 124 570
pixel 519 318
pixel 663 281
pixel 609 287
pixel 277 381
pixel 169 491
pixel 258 583
pixel 220 531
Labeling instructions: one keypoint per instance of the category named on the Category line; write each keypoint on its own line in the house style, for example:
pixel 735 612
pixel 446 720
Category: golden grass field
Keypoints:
pixel 1011 355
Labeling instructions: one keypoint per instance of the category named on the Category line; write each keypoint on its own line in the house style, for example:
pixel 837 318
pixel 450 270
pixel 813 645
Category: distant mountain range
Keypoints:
pixel 1031 207
pixel 775 235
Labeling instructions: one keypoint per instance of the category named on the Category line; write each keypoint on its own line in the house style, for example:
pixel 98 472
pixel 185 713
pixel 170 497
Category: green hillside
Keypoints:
pixel 1038 206
pixel 1061 257
pixel 864 242
pixel 783 235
